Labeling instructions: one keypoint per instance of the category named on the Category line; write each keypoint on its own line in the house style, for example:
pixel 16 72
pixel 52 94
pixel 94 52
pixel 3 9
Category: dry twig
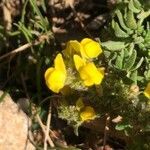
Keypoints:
pixel 44 131
pixel 47 128
pixel 25 46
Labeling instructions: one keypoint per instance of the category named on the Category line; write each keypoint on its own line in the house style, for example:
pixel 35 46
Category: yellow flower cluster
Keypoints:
pixel 87 48
pixel 81 53
pixel 86 112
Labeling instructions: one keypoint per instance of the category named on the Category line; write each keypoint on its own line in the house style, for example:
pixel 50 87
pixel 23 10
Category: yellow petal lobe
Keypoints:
pixel 72 47
pixel 59 63
pixel 90 74
pixel 147 91
pixel 91 48
pixel 79 62
pixel 48 72
pixel 88 113
pixel 55 77
pixel 56 80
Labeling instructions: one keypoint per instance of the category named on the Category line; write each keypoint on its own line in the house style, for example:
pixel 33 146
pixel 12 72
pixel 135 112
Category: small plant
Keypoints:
pixel 129 47
pixel 90 83
pixel 73 74
pixel 112 83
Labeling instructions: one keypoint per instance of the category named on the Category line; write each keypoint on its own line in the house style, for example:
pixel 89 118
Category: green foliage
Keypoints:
pixel 127 54
pixel 72 115
pixel 30 64
pixel 131 44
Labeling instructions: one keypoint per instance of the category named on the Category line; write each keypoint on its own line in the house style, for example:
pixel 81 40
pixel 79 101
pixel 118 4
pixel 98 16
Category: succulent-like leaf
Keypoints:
pixel 137 4
pixel 134 76
pixel 130 61
pixel 138 64
pixel 119 60
pixel 130 20
pixel 142 15
pixel 119 32
pixel 121 21
pixel 147 37
pixel 114 45
pixel 132 7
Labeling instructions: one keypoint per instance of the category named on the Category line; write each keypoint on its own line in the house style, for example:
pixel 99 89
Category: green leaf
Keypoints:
pixel 147 37
pixel 43 4
pixel 122 126
pixel 121 21
pixel 132 7
pixel 24 11
pixel 113 45
pixel 112 59
pixel 25 31
pixel 119 60
pixel 138 64
pixel 142 15
pixel 119 32
pixel 37 11
pixel 130 61
pixel 133 76
pixel 130 20
pixel 137 4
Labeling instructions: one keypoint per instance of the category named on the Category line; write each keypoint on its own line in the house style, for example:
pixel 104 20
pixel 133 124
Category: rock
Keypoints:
pixel 14 125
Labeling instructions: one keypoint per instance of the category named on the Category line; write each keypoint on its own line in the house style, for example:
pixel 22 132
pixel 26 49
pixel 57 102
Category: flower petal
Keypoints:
pixel 90 74
pixel 55 80
pixel 59 63
pixel 73 47
pixel 88 113
pixel 48 72
pixel 79 62
pixel 91 48
pixel 147 91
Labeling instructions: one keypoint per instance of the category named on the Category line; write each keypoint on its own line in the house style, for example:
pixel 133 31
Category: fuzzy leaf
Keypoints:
pixel 130 61
pixel 119 32
pixel 132 7
pixel 121 21
pixel 119 60
pixel 137 4
pixel 142 15
pixel 147 37
pixel 130 20
pixel 113 45
pixel 134 76
pixel 138 64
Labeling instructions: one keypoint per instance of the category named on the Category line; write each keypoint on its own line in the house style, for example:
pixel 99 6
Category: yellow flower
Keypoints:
pixel 55 76
pixel 87 48
pixel 88 113
pixel 88 71
pixel 90 48
pixel 147 91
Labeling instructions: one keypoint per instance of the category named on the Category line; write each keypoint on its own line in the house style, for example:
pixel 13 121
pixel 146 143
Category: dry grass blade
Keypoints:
pixel 44 131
